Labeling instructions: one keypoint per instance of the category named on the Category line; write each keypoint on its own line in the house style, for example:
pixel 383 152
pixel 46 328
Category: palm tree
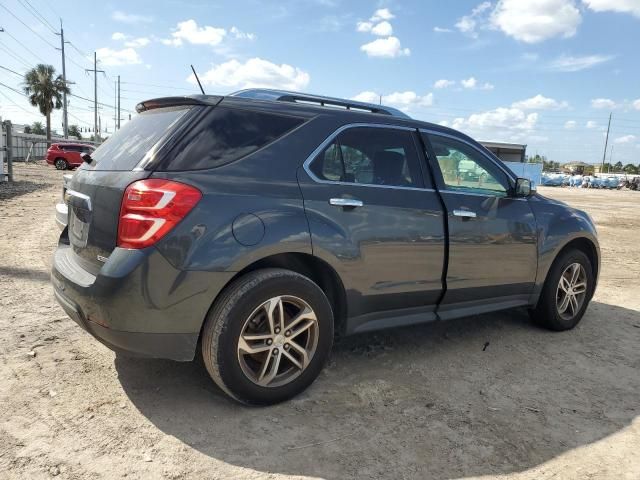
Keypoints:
pixel 45 90
pixel 37 128
pixel 74 131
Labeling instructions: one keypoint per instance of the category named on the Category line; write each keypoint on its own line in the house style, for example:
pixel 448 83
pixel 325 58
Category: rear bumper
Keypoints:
pixel 62 214
pixel 172 346
pixel 136 302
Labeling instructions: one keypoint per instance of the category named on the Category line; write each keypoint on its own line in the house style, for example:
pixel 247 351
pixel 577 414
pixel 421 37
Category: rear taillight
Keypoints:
pixel 151 208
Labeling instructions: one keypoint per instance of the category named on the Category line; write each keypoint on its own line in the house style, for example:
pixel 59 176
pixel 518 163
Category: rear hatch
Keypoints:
pixel 94 195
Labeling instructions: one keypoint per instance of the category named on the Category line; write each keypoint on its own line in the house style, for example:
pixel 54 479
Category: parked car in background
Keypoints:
pixel 67 155
pixel 258 225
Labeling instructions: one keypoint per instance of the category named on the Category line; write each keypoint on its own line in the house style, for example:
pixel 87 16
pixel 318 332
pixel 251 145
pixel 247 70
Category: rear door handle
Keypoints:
pixel 346 202
pixel 464 214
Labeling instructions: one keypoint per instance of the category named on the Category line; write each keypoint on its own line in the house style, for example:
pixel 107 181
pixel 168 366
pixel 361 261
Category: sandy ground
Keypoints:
pixel 421 402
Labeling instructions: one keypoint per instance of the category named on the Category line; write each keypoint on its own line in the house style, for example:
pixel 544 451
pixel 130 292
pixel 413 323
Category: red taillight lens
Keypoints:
pixel 151 208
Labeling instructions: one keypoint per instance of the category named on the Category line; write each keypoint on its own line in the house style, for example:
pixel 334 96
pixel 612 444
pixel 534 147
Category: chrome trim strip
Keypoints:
pixel 337 132
pixel 346 202
pixel 464 214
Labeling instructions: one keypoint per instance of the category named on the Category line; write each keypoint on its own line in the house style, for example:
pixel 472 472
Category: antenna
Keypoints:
pixel 198 80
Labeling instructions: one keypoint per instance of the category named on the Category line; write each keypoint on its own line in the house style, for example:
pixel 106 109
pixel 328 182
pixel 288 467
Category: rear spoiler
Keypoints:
pixel 209 100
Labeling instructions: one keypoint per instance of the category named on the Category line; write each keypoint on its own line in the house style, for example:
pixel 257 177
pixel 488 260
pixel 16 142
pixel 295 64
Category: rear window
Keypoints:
pixel 124 149
pixel 225 135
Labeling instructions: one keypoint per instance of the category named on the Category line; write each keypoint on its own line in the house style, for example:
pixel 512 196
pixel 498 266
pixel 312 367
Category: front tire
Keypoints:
pixel 61 164
pixel 268 336
pixel 566 293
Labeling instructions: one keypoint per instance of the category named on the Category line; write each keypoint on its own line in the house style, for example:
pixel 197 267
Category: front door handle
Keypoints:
pixel 464 214
pixel 346 202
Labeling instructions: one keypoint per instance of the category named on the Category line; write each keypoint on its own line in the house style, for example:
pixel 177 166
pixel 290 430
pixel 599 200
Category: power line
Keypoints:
pixel 37 15
pixel 12 71
pixel 14 103
pixel 11 54
pixel 24 46
pixel 32 30
pixel 158 86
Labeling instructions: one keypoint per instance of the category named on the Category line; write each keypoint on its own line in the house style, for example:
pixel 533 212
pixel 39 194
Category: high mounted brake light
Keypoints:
pixel 151 208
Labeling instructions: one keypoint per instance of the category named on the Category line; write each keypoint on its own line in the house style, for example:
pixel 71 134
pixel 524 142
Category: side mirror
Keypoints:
pixel 523 187
pixel 87 158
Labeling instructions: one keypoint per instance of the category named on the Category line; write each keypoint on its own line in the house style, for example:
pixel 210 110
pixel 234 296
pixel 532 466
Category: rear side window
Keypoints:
pixel 371 156
pixel 124 149
pixel 227 134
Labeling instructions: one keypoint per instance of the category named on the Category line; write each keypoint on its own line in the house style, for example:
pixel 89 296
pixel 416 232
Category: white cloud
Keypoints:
pixel 389 47
pixel 603 103
pixel 120 16
pixel 570 124
pixel 575 64
pixel 591 124
pixel 188 31
pixel 636 104
pixel 119 36
pixel 469 82
pixel 403 100
pixel 382 29
pixel 625 139
pixel 540 102
pixel 444 83
pixel 442 30
pixel 468 23
pixel 255 72
pixel 621 6
pixel 137 42
pixel 382 14
pixel 498 122
pixel 239 34
pixel 487 86
pixel 114 58
pixel 533 21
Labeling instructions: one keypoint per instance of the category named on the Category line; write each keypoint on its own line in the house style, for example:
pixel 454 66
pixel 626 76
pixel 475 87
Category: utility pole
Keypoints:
pixel 610 158
pixel 65 118
pixel 95 93
pixel 606 142
pixel 118 121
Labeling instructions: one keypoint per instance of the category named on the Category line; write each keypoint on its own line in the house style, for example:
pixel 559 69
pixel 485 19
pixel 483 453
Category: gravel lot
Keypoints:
pixel 421 402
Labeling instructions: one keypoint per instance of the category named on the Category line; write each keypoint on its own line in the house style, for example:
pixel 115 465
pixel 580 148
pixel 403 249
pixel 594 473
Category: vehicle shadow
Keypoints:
pixel 490 394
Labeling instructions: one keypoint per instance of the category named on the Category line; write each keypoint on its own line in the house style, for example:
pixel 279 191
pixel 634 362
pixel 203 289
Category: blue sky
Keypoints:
pixel 542 72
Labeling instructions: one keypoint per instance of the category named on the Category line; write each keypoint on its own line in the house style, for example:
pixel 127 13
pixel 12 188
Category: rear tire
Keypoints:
pixel 61 164
pixel 268 336
pixel 566 293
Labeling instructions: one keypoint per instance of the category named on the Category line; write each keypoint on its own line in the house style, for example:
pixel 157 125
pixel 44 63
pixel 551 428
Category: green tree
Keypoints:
pixel 74 131
pixel 630 168
pixel 37 128
pixel 45 90
pixel 618 166
pixel 27 129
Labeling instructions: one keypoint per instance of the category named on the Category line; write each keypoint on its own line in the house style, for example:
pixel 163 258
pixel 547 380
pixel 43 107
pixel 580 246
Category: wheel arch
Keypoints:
pixel 310 266
pixel 582 243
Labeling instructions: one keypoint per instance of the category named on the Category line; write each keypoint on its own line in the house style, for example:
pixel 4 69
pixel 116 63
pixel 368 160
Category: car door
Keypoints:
pixel 373 218
pixel 492 234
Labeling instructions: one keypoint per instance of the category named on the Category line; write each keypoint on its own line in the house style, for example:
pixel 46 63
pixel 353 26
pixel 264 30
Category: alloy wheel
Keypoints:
pixel 278 341
pixel 572 291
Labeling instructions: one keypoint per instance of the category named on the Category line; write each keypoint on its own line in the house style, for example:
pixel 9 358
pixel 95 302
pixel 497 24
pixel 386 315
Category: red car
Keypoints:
pixel 67 155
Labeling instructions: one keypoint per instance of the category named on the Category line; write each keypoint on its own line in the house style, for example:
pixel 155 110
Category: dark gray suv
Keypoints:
pixel 259 225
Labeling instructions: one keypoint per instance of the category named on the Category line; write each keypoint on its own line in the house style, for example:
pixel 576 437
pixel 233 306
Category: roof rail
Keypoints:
pixel 317 100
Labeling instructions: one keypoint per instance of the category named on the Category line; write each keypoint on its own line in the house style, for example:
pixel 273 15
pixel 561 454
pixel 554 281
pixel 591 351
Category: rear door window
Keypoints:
pixel 371 156
pixel 127 147
pixel 226 135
